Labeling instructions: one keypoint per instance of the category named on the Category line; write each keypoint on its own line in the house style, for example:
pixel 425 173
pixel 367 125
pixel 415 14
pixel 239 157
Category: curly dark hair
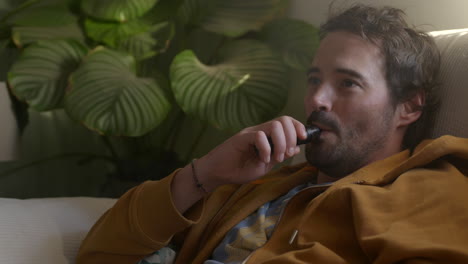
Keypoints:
pixel 412 59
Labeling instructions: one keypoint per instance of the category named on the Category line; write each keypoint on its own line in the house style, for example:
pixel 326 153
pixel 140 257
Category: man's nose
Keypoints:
pixel 320 99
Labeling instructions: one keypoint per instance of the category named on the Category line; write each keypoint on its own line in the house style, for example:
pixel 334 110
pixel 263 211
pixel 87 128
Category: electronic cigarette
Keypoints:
pixel 313 133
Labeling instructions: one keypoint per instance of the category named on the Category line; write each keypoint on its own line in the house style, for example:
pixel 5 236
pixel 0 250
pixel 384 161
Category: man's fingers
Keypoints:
pixel 282 133
pixel 263 146
pixel 300 129
pixel 278 138
pixel 290 135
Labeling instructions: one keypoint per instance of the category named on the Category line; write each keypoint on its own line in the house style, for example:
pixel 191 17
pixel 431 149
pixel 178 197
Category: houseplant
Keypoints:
pixel 133 71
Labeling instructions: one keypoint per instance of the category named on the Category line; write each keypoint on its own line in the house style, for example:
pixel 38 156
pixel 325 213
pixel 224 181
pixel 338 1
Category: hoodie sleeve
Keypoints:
pixel 141 222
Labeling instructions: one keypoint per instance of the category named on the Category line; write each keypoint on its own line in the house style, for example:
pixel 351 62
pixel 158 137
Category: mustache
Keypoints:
pixel 320 117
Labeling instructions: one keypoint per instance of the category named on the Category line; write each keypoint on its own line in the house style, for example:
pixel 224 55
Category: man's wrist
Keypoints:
pixel 184 191
pixel 206 175
pixel 198 184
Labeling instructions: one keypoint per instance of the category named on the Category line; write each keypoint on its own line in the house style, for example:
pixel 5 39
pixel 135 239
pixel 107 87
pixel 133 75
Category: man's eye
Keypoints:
pixel 349 83
pixel 313 80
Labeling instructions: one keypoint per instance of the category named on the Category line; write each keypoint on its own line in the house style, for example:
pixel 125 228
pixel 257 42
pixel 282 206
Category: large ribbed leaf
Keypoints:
pixel 247 87
pixel 10 4
pixel 26 35
pixel 40 75
pixel 45 16
pixel 117 10
pixel 111 32
pixel 193 11
pixel 137 37
pixel 295 40
pixel 108 97
pixel 43 20
pixel 10 7
pixel 164 10
pixel 228 17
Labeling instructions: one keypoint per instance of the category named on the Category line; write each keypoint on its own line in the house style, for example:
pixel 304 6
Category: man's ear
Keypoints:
pixel 411 110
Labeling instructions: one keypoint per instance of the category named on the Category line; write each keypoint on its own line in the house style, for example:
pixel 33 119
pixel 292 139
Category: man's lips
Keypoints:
pixel 322 127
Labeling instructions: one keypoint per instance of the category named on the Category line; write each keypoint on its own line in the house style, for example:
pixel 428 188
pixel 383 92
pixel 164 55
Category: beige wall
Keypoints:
pixel 433 14
pixel 428 15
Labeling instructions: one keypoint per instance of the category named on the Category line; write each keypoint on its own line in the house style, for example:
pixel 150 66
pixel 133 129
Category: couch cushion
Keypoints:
pixel 452 117
pixel 47 230
pixel 28 235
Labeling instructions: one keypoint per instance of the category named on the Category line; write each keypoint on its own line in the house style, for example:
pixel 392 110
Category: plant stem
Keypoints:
pixel 178 121
pixel 111 148
pixel 58 156
pixel 196 142
pixel 18 9
pixel 113 153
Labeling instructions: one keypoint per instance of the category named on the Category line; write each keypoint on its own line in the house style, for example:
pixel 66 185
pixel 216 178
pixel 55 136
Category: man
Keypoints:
pixel 365 199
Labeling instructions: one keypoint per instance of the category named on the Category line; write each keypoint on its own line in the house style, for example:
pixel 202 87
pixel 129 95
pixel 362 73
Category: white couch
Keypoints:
pixel 50 230
pixel 46 230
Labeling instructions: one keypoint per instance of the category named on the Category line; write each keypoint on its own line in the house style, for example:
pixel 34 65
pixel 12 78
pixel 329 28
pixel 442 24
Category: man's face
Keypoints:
pixel 349 99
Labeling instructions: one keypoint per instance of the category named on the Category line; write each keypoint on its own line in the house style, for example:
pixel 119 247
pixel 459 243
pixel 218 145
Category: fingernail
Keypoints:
pixel 291 151
pixel 281 157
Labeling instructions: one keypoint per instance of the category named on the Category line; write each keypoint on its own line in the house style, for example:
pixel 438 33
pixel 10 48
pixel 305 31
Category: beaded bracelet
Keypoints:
pixel 195 178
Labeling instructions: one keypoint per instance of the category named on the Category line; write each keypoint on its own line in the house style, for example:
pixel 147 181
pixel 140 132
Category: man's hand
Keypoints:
pixel 237 161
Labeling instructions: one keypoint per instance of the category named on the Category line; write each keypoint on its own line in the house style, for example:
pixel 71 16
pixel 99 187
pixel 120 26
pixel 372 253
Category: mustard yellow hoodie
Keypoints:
pixel 403 209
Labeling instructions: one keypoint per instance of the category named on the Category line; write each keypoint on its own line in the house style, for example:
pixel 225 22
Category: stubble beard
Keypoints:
pixel 353 149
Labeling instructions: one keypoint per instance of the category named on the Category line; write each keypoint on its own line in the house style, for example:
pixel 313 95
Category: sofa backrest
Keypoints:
pixel 452 116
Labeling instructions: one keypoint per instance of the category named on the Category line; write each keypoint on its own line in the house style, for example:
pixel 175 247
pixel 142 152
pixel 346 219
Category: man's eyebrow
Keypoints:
pixel 353 73
pixel 313 70
pixel 347 71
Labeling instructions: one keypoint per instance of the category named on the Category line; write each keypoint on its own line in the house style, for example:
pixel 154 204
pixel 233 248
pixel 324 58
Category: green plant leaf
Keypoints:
pixel 110 33
pixel 117 10
pixel 136 37
pixel 164 10
pixel 9 7
pixel 26 35
pixel 40 75
pixel 246 87
pixel 45 16
pixel 295 40
pixel 45 22
pixel 108 97
pixel 230 18
pixel 10 4
pixel 193 11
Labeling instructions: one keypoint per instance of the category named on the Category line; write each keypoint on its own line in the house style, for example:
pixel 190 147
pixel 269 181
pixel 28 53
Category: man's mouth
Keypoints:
pixel 324 122
pixel 322 127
